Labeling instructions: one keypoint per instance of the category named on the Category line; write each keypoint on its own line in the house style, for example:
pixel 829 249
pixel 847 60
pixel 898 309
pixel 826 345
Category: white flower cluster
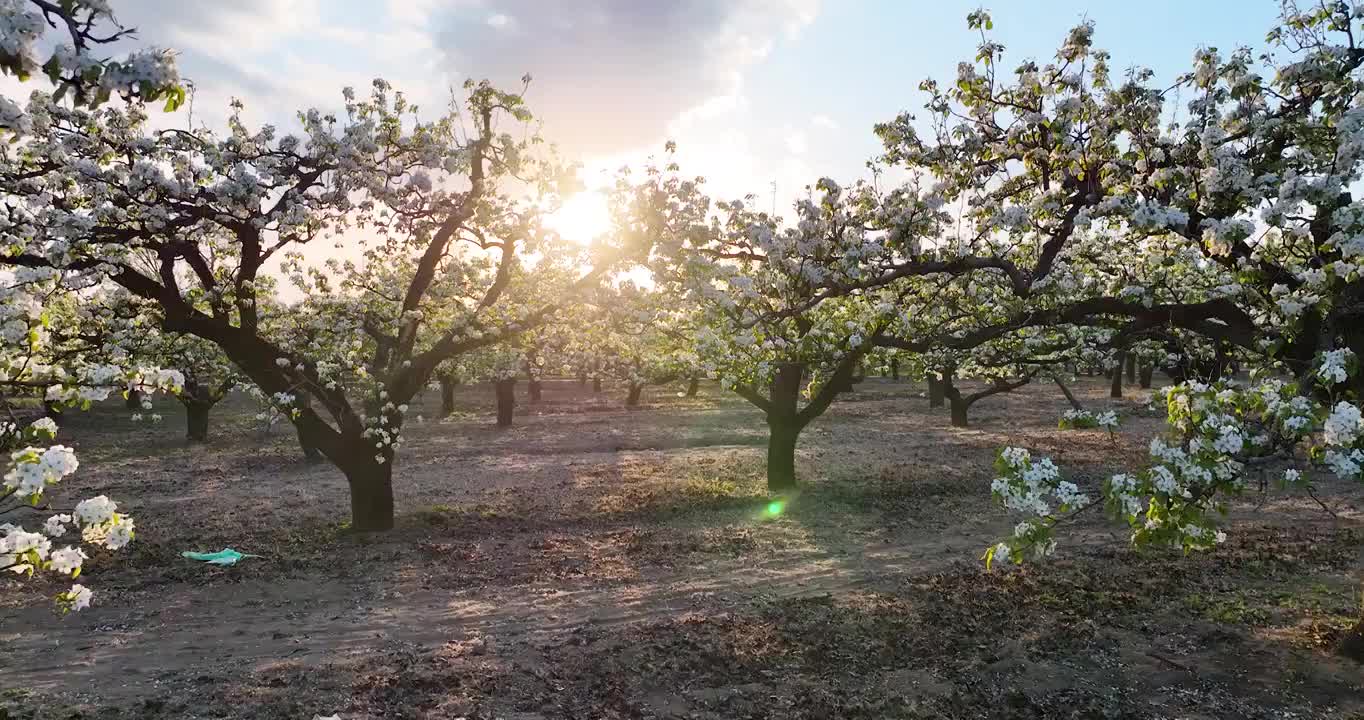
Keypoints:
pixel 1031 486
pixel 32 470
pixel 1343 426
pixel 1336 366
pixel 274 407
pixel 1219 428
pixel 97 382
pixel 150 74
pixel 385 429
pixel 1345 463
pixel 1079 419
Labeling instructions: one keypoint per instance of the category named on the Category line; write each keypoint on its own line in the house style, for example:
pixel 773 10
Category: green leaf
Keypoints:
pixel 53 68
pixel 175 97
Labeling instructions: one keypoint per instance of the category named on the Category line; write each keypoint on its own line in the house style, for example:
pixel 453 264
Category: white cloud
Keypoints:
pixel 824 121
pixel 610 73
pixel 613 78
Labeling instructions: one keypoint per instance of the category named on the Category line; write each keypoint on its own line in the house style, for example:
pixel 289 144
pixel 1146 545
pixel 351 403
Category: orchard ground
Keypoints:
pixel 601 562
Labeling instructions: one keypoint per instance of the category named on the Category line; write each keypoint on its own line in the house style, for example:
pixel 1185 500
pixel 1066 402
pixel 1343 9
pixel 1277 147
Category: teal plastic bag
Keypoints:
pixel 226 556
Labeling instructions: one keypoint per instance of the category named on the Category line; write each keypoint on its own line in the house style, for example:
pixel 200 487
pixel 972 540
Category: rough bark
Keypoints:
pixel 447 395
pixel 134 400
pixel 960 408
pixel 1070 396
pixel 895 369
pixel 1115 389
pixel 936 391
pixel 311 452
pixel 693 386
pixel 1131 368
pixel 781 456
pixel 1354 340
pixel 196 420
pixel 533 390
pixel 1352 644
pixel 783 426
pixel 506 401
pixel 961 404
pixel 371 494
pixel 1144 377
pixel 596 384
pixel 632 399
pixel 946 386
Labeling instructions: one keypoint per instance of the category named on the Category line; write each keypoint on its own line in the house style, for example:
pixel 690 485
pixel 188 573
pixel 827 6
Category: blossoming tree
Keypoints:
pixel 1232 232
pixel 764 329
pixel 31 294
pixel 441 201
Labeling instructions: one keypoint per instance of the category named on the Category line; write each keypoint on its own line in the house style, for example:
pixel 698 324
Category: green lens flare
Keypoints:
pixel 775 507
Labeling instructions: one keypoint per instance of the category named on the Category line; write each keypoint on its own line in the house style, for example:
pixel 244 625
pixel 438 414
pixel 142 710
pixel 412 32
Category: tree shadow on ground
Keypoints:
pixel 1099 635
pixel 597 581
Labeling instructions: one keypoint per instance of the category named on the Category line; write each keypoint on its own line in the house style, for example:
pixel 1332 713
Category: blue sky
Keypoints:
pixel 754 91
pixel 860 63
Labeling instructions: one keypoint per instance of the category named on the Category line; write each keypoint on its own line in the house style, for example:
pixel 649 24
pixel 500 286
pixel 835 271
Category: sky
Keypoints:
pixel 755 92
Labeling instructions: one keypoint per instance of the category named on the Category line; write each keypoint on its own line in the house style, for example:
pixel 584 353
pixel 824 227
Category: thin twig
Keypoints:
pixel 1172 663
pixel 1313 495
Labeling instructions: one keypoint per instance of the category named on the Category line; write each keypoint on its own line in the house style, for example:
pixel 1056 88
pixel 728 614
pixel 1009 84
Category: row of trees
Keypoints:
pixel 1052 218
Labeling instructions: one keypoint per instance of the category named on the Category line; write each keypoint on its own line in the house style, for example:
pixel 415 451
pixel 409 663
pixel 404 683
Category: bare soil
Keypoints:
pixel 595 561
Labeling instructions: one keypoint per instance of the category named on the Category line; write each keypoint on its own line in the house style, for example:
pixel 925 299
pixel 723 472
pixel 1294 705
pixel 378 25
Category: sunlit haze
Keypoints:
pixel 582 217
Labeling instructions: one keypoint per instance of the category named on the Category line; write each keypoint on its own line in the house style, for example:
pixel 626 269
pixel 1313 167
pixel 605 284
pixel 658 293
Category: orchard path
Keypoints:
pixel 247 626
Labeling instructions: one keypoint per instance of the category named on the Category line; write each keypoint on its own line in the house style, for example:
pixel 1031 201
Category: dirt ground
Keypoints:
pixel 601 562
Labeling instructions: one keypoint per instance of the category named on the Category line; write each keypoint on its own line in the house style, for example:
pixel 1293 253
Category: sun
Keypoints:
pixel 582 217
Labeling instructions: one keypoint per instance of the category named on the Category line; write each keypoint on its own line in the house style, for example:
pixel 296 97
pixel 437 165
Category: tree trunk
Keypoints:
pixel 1221 363
pixel 946 388
pixel 134 400
pixel 935 391
pixel 693 386
pixel 311 453
pixel 533 390
pixel 1070 397
pixel 371 495
pixel 1354 340
pixel 447 396
pixel 1144 377
pixel 196 420
pixel 960 406
pixel 1131 368
pixel 582 379
pixel 1352 645
pixel 781 456
pixel 506 401
pixel 783 428
pixel 596 384
pixel 895 369
pixel 1115 390
pixel 632 400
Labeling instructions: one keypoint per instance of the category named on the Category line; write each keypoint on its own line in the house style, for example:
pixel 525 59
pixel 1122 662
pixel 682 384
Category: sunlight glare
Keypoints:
pixel 582 217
